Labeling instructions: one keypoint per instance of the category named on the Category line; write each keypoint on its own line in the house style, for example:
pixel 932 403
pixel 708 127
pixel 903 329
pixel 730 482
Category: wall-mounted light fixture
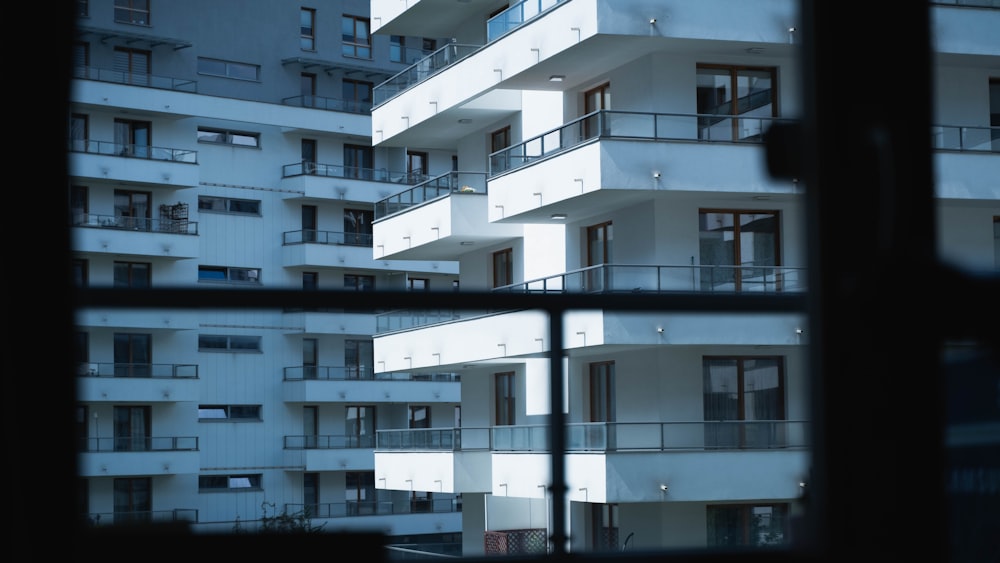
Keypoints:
pixel 663 487
pixel 652 21
pixel 557 78
pixel 656 175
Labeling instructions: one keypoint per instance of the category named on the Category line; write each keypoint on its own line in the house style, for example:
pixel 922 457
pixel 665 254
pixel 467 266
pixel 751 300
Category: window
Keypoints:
pixel 733 99
pixel 78 132
pixel 134 275
pixel 744 402
pixel 417 166
pixel 503 396
pixel 355 35
pixel 419 284
pixel 359 492
pixel 247 482
pixel 996 242
pixel 132 428
pixel 602 392
pixel 358 227
pixel 132 209
pixel 133 354
pixel 593 100
pixel 421 501
pixel 420 416
pixel 357 95
pixel 307 29
pixel 228 69
pixel 80 56
pixel 604 525
pixel 743 245
pixel 310 493
pixel 132 11
pixel 747 525
pixel 133 138
pixel 82 8
pixel 80 272
pixel 228 343
pixel 310 281
pixel 229 412
pixel 358 161
pixel 995 112
pixel 500 139
pixel 133 64
pixel 307 88
pixel 229 205
pixel 227 274
pixel 359 425
pixel 503 267
pixel 309 221
pixel 359 282
pixel 359 357
pixel 397 49
pixel 222 136
pixel 133 499
pixel 310 357
pixel 78 204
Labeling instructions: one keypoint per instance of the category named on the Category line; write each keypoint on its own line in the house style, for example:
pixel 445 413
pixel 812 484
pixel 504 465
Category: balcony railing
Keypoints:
pixel 328 442
pixel 124 223
pixel 117 369
pixel 422 70
pixel 312 236
pixel 374 508
pixel 965 138
pixel 329 104
pixel 464 183
pixel 126 150
pixel 143 516
pixel 611 278
pixel 306 168
pixel 618 278
pixel 140 444
pixel 134 79
pixel 516 16
pixel 632 125
pixel 606 437
pixel 343 373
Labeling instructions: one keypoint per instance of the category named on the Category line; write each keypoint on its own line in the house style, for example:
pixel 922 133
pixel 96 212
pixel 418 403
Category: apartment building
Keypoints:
pixel 227 146
pixel 617 146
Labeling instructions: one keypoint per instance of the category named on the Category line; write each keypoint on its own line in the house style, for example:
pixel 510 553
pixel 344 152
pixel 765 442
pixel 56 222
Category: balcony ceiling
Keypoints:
pixel 438 18
pixel 118 37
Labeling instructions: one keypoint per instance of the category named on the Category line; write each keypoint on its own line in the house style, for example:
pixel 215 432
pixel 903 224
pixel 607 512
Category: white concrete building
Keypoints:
pixel 615 146
pixel 227 145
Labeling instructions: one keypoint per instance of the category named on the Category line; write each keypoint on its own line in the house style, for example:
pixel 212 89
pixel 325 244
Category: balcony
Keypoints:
pixel 318 249
pixel 144 383
pixel 324 384
pixel 137 236
pixel 772 457
pixel 164 455
pixel 329 452
pixel 187 515
pixel 135 79
pixel 166 320
pixel 141 164
pixel 328 104
pixel 398 517
pixel 316 180
pixel 448 460
pixel 966 162
pixel 516 16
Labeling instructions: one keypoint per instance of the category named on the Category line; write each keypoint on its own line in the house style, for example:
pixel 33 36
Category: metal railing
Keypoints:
pixel 373 508
pixel 606 437
pixel 343 373
pixel 125 223
pixel 422 70
pixel 142 516
pixel 632 125
pixel 312 236
pixel 328 442
pixel 126 150
pixel 464 183
pixel 965 138
pixel 329 104
pixel 306 168
pixel 637 278
pixel 134 79
pixel 140 444
pixel 118 369
pixel 516 16
pixel 391 321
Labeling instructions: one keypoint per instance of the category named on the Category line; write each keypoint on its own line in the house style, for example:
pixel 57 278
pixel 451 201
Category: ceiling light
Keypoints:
pixel 466 243
pixel 558 216
pixel 556 78
pixel 464 120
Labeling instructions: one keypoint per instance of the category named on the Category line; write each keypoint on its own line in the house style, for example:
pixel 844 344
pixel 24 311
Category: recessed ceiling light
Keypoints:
pixel 556 78
pixel 466 243
pixel 558 216
pixel 464 120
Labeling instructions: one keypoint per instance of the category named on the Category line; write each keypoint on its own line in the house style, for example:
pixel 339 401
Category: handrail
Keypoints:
pixel 139 444
pixel 131 150
pixel 354 373
pixel 313 236
pixel 121 222
pixel 137 370
pixel 134 78
pixel 516 16
pixel 453 182
pixel 422 70
pixel 307 168
pixel 329 104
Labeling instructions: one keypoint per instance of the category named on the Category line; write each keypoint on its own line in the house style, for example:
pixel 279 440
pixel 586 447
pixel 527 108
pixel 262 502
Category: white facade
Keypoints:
pixel 188 166
pixel 610 146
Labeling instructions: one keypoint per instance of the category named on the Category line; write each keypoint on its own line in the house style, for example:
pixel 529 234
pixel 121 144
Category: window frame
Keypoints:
pixel 352 45
pixel 307 29
pixel 133 12
pixel 228 137
pixel 233 70
pixel 238 343
pixel 230 413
